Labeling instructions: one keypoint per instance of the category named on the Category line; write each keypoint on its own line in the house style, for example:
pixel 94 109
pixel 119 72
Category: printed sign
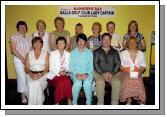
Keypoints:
pixel 87 11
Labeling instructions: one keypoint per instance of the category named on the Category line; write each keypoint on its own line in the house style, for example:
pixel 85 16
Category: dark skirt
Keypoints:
pixel 63 87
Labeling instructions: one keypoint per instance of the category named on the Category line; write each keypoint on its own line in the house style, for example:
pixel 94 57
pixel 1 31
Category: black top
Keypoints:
pixel 106 62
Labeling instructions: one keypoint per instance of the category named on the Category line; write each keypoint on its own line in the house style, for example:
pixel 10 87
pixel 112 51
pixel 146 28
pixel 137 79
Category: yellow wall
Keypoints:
pixel 144 15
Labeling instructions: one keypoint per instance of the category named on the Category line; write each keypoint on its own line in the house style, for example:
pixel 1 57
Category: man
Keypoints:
pixel 81 68
pixel 106 64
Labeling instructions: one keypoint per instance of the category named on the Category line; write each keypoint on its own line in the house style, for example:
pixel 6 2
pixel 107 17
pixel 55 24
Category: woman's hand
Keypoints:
pixel 36 76
pixel 126 69
pixel 62 73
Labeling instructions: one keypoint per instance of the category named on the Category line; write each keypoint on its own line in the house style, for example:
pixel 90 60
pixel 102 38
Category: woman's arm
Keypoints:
pixel 120 44
pixel 46 65
pixel 15 52
pixel 27 70
pixel 49 42
pixel 143 45
pixel 124 44
pixel 52 42
pixel 68 45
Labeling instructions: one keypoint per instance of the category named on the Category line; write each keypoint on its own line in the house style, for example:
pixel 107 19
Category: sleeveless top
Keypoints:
pixel 37 64
pixel 45 39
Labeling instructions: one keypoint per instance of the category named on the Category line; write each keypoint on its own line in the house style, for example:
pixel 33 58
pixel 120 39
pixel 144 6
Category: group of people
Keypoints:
pixel 69 63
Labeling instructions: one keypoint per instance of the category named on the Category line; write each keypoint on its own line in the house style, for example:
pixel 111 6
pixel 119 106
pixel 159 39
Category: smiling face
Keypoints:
pixel 37 45
pixel 61 44
pixel 106 41
pixel 81 43
pixel 133 27
pixel 96 29
pixel 132 44
pixel 78 30
pixel 41 27
pixel 59 24
pixel 22 29
pixel 110 28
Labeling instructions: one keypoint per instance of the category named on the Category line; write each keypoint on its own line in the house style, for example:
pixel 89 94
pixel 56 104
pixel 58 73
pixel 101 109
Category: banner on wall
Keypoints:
pixel 87 11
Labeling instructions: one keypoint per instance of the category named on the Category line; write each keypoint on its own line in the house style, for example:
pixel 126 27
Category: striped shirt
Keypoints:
pixel 23 44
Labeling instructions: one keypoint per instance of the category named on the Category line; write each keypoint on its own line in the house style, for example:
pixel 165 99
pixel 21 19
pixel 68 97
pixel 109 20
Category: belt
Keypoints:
pixel 36 72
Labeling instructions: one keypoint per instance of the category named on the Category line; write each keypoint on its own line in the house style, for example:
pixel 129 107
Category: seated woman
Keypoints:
pixel 133 64
pixel 36 67
pixel 81 68
pixel 59 68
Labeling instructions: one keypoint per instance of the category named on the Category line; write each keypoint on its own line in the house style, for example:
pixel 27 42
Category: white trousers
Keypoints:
pixel 20 75
pixel 35 90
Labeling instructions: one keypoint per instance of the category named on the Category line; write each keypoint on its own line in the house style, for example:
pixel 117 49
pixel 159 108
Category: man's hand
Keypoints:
pixel 106 77
pixel 110 76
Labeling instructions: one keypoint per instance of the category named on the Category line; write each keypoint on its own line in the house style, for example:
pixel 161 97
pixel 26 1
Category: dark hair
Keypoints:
pixel 110 22
pixel 36 39
pixel 21 23
pixel 106 34
pixel 79 24
pixel 133 21
pixel 81 36
pixel 61 39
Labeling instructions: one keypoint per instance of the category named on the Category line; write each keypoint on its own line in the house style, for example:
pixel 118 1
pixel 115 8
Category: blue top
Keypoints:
pixel 81 62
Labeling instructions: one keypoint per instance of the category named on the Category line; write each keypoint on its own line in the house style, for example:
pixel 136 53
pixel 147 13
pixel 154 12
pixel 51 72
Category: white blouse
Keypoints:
pixel 37 64
pixel 23 44
pixel 126 60
pixel 56 64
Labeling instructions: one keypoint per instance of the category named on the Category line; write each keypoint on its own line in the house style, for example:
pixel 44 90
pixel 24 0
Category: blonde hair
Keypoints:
pixel 133 38
pixel 97 24
pixel 40 21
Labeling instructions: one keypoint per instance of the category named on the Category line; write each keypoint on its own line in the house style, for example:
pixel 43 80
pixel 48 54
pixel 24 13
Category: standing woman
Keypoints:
pixel 41 27
pixel 133 64
pixel 116 38
pixel 20 44
pixel 36 67
pixel 94 41
pixel 133 33
pixel 59 72
pixel 78 30
pixel 60 32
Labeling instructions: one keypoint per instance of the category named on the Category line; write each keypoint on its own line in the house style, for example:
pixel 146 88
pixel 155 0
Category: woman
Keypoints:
pixel 78 30
pixel 116 38
pixel 20 44
pixel 59 72
pixel 41 26
pixel 133 64
pixel 37 62
pixel 94 41
pixel 81 68
pixel 133 33
pixel 59 24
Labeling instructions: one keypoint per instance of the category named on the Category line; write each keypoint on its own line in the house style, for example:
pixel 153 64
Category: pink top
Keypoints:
pixel 23 44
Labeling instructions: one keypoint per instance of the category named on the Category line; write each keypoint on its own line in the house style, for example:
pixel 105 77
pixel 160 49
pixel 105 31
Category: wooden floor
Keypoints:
pixel 13 98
